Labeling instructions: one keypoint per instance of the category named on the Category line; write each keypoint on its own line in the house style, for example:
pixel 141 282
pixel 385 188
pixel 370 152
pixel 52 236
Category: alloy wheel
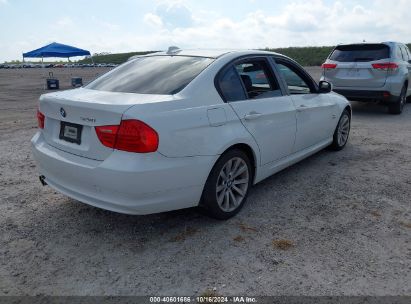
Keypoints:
pixel 343 130
pixel 232 184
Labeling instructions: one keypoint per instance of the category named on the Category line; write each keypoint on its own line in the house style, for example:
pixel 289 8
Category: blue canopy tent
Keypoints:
pixel 56 50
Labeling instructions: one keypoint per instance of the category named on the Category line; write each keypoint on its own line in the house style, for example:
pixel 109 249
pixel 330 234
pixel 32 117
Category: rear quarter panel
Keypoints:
pixel 186 130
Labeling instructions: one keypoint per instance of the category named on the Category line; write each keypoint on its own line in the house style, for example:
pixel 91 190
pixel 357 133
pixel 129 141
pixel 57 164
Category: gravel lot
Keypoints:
pixel 337 223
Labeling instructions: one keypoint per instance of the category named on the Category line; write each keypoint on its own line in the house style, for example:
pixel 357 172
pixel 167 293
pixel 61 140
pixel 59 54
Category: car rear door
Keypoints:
pixel 356 65
pixel 252 90
pixel 316 113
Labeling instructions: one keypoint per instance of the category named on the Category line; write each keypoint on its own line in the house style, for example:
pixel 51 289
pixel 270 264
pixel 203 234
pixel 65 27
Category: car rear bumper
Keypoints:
pixel 124 182
pixel 366 95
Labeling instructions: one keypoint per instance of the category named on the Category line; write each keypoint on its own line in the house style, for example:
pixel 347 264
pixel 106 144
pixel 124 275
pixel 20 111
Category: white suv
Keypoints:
pixel 371 71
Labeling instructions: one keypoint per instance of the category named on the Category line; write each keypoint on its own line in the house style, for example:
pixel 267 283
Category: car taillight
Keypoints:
pixel 328 65
pixel 386 66
pixel 132 136
pixel 40 119
pixel 107 135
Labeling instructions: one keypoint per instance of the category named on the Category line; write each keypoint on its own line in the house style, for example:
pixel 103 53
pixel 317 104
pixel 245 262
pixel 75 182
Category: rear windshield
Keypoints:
pixel 152 75
pixel 360 53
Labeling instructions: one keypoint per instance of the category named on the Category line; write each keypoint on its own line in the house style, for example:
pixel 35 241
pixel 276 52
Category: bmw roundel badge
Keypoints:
pixel 63 112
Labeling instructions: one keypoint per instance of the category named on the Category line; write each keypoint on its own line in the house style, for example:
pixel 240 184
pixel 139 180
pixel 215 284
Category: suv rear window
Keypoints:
pixel 360 52
pixel 164 75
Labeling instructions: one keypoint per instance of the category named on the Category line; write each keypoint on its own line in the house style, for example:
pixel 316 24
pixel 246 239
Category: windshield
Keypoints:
pixel 152 75
pixel 360 52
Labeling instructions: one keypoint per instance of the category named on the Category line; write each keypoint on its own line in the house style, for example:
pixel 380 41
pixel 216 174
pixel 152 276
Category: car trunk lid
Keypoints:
pixel 71 117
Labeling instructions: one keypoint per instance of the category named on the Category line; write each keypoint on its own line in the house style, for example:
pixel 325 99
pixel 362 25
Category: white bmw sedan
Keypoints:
pixel 185 128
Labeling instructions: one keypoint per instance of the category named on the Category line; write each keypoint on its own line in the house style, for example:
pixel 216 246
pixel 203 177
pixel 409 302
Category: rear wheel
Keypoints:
pixel 342 132
pixel 398 106
pixel 227 186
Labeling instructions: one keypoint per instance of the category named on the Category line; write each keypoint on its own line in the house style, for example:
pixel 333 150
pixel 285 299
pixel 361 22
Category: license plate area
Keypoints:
pixel 70 132
pixel 353 72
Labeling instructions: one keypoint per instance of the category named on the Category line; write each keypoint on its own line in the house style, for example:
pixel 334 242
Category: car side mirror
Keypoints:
pixel 409 61
pixel 325 87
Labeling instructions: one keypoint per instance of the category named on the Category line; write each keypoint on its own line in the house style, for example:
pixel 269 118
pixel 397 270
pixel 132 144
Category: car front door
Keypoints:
pixel 316 113
pixel 253 92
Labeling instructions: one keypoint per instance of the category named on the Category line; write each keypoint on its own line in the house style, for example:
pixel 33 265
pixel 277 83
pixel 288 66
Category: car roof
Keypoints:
pixel 213 53
pixel 390 43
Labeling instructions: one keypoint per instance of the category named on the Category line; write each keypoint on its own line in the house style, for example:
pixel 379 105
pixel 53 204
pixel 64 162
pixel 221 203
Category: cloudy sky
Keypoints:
pixel 136 25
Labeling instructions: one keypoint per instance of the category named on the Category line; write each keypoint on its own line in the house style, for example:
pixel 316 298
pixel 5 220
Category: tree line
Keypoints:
pixel 306 56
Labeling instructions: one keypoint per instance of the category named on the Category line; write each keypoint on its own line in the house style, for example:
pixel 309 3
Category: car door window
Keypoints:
pixel 230 85
pixel 404 54
pixel 257 79
pixel 409 53
pixel 295 80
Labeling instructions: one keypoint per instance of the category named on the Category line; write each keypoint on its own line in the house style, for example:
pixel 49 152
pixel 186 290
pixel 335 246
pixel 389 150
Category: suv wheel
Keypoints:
pixel 397 107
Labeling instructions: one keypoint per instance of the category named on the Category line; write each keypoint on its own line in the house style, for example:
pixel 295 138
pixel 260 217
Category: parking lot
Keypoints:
pixel 337 223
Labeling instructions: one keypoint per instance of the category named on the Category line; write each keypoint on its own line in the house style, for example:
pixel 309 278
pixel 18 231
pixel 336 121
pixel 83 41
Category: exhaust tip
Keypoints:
pixel 42 179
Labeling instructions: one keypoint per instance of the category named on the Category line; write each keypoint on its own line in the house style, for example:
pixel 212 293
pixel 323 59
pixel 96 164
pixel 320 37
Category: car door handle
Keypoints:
pixel 252 115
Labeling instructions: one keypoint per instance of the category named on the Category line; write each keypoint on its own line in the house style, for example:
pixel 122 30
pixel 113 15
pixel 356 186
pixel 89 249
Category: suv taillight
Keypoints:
pixel 386 66
pixel 131 135
pixel 40 119
pixel 328 65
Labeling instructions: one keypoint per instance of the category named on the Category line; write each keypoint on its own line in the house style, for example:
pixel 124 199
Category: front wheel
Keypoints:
pixel 342 131
pixel 227 186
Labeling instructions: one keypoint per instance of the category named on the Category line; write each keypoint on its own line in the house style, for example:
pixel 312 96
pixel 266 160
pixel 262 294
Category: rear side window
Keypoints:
pixel 257 79
pixel 230 85
pixel 248 79
pixel 399 53
pixel 360 52
pixel 152 75
pixel 404 53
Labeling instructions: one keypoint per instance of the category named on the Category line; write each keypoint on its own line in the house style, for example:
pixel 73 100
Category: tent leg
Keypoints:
pixel 44 72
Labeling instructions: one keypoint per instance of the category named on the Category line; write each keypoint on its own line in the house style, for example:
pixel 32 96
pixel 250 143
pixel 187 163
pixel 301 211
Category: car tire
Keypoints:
pixel 342 131
pixel 227 186
pixel 398 106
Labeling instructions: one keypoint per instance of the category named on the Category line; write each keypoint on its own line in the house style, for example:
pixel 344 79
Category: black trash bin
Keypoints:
pixel 53 84
pixel 76 82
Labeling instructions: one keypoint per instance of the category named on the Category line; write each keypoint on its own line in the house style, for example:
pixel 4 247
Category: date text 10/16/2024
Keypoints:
pixel 203 299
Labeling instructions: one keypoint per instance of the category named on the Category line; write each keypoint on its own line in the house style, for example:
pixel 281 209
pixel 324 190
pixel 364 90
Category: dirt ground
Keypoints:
pixel 337 223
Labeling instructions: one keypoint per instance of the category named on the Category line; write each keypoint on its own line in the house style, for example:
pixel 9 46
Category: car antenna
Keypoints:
pixel 173 50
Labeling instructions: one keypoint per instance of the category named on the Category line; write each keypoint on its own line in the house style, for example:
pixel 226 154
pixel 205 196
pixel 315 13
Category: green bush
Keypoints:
pixel 306 56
